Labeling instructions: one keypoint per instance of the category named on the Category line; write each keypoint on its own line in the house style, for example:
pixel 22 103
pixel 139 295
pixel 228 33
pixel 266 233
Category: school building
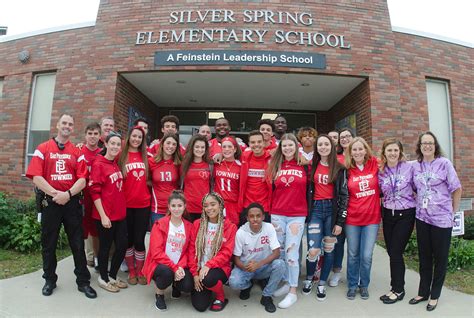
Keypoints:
pixel 326 64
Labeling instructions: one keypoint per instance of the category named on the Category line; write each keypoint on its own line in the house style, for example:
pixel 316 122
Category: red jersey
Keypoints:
pixel 323 189
pixel 289 194
pixel 165 179
pixel 89 155
pixel 60 168
pixel 106 183
pixel 364 195
pixel 216 147
pixel 254 186
pixel 227 180
pixel 135 187
pixel 154 149
pixel 341 159
pixel 196 186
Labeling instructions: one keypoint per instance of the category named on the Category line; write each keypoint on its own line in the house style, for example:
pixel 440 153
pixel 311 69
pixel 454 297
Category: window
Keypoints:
pixel 40 112
pixel 1 87
pixel 439 113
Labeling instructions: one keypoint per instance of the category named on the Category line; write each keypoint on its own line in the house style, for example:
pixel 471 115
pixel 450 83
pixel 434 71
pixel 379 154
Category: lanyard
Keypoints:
pixel 393 180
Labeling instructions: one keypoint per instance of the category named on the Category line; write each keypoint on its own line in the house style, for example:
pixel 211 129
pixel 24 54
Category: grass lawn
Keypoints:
pixel 14 263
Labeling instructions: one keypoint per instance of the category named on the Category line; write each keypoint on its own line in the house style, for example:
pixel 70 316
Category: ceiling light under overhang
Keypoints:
pixel 271 116
pixel 215 115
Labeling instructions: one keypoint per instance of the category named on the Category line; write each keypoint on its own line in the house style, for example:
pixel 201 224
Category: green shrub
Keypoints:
pixel 461 254
pixel 412 246
pixel 469 228
pixel 19 228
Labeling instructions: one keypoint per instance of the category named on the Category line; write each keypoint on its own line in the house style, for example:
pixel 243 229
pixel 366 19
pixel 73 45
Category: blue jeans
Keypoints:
pixel 240 279
pixel 360 247
pixel 319 234
pixel 155 217
pixel 289 232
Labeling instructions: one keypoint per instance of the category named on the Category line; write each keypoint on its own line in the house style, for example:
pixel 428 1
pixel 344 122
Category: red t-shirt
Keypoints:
pixel 60 168
pixel 106 184
pixel 196 186
pixel 135 187
pixel 364 195
pixel 256 189
pixel 289 193
pixel 165 179
pixel 341 159
pixel 226 180
pixel 323 189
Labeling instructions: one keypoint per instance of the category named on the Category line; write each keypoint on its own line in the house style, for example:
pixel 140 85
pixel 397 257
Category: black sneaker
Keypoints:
pixel 160 302
pixel 321 293
pixel 175 293
pixel 267 302
pixel 245 293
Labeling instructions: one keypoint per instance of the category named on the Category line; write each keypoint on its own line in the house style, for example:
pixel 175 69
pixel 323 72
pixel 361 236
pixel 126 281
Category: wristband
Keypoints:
pixel 70 194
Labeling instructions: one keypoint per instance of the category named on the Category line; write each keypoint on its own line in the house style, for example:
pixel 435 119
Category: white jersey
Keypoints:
pixel 175 242
pixel 250 246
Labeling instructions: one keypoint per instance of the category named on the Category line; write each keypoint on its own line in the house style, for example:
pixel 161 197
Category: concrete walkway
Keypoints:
pixel 21 296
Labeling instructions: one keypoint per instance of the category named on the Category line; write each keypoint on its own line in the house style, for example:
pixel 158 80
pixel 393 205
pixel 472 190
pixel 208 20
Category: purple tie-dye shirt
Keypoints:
pixel 397 186
pixel 435 181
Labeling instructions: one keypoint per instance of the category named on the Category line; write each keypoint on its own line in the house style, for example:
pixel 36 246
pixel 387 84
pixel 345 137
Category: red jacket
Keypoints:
pixel 105 183
pixel 157 250
pixel 223 256
pixel 243 181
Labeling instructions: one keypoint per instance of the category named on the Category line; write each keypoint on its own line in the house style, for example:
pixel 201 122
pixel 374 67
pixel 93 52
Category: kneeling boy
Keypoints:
pixel 256 256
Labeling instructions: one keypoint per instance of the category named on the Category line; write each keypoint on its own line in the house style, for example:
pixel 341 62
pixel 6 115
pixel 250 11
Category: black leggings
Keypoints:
pixel 164 277
pixel 118 235
pixel 202 300
pixel 137 223
pixel 397 229
pixel 193 217
pixel 433 249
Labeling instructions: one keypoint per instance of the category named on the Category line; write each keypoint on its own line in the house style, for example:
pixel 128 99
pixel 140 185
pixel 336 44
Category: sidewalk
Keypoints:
pixel 21 296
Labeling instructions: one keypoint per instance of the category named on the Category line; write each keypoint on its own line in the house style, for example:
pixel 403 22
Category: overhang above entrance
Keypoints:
pixel 243 90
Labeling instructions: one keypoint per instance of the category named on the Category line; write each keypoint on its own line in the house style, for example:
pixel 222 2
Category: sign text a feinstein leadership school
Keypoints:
pixel 240 57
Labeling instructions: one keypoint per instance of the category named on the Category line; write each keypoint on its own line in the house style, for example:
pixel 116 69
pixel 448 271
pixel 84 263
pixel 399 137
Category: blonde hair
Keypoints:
pixel 201 235
pixel 277 159
pixel 350 163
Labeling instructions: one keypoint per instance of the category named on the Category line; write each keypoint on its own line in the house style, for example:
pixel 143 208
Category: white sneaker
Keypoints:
pixel 288 301
pixel 283 290
pixel 124 267
pixel 335 279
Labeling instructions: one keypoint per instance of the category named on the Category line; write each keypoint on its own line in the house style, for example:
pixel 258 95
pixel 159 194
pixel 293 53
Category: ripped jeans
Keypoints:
pixel 319 236
pixel 289 232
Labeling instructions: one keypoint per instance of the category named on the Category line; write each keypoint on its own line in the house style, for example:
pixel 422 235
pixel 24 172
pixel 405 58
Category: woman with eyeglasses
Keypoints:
pixel 438 198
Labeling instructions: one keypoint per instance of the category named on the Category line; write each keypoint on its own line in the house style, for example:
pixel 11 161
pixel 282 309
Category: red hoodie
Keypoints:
pixel 223 256
pixel 105 183
pixel 256 187
pixel 157 250
pixel 289 195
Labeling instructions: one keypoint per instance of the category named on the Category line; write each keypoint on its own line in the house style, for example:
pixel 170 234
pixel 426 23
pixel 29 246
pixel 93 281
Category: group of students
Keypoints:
pixel 329 184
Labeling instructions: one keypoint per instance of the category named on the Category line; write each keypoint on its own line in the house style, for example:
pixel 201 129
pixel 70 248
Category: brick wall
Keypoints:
pixel 127 95
pixel 88 61
pixel 356 102
pixel 420 58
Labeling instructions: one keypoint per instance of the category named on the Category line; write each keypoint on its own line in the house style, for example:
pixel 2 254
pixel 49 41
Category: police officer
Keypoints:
pixel 59 170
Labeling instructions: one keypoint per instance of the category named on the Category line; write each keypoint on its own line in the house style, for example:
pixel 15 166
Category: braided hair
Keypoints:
pixel 201 236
